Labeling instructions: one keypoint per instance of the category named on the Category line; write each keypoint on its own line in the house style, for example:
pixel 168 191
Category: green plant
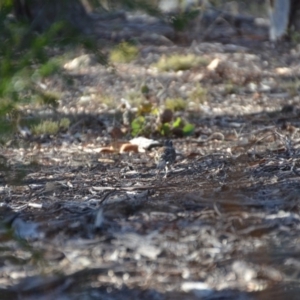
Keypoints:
pixel 46 127
pixel 181 20
pixel 230 88
pixel 50 127
pixel 26 57
pixel 175 104
pixel 178 127
pixel 64 123
pixel 199 94
pixel 7 129
pixel 145 89
pixel 178 62
pixel 137 126
pixel 186 128
pixel 135 98
pixel 165 129
pixel 145 108
pixel 107 100
pixel 9 119
pixel 124 53
pixel 48 68
pixel 295 36
pixel 47 98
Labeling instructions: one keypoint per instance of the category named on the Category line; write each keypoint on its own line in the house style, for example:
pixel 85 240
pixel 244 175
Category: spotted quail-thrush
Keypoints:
pixel 165 156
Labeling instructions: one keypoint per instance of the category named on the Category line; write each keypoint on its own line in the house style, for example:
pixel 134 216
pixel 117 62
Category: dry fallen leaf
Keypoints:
pixel 129 148
pixel 107 150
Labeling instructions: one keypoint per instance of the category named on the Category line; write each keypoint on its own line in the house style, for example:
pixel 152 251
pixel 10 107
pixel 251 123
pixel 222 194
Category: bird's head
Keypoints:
pixel 168 143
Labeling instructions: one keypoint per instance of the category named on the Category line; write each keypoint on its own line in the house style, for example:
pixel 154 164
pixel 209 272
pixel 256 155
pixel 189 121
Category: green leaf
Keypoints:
pixel 145 89
pixel 165 129
pixel 177 123
pixel 49 68
pixel 188 129
pixel 47 98
pixel 145 108
pixel 137 125
pixel 6 106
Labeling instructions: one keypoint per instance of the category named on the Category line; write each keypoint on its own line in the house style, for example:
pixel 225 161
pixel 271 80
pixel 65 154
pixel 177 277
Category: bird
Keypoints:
pixel 165 156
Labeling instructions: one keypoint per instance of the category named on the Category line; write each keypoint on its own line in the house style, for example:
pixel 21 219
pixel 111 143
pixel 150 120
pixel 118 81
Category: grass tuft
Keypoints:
pixel 124 53
pixel 179 62
pixel 199 95
pixel 176 104
pixel 51 127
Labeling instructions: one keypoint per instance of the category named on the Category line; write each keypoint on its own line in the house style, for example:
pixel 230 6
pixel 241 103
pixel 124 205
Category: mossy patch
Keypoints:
pixel 177 62
pixel 124 53
pixel 199 95
pixel 49 68
pixel 51 127
pixel 47 98
pixel 176 104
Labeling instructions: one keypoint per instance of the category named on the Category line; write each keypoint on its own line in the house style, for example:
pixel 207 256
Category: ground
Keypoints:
pixel 82 223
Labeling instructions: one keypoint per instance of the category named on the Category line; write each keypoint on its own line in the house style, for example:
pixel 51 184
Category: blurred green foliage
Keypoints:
pixel 176 104
pixel 51 127
pixel 137 126
pixel 148 119
pixel 199 95
pixel 181 20
pixel 124 53
pixel 26 57
pixel 177 62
